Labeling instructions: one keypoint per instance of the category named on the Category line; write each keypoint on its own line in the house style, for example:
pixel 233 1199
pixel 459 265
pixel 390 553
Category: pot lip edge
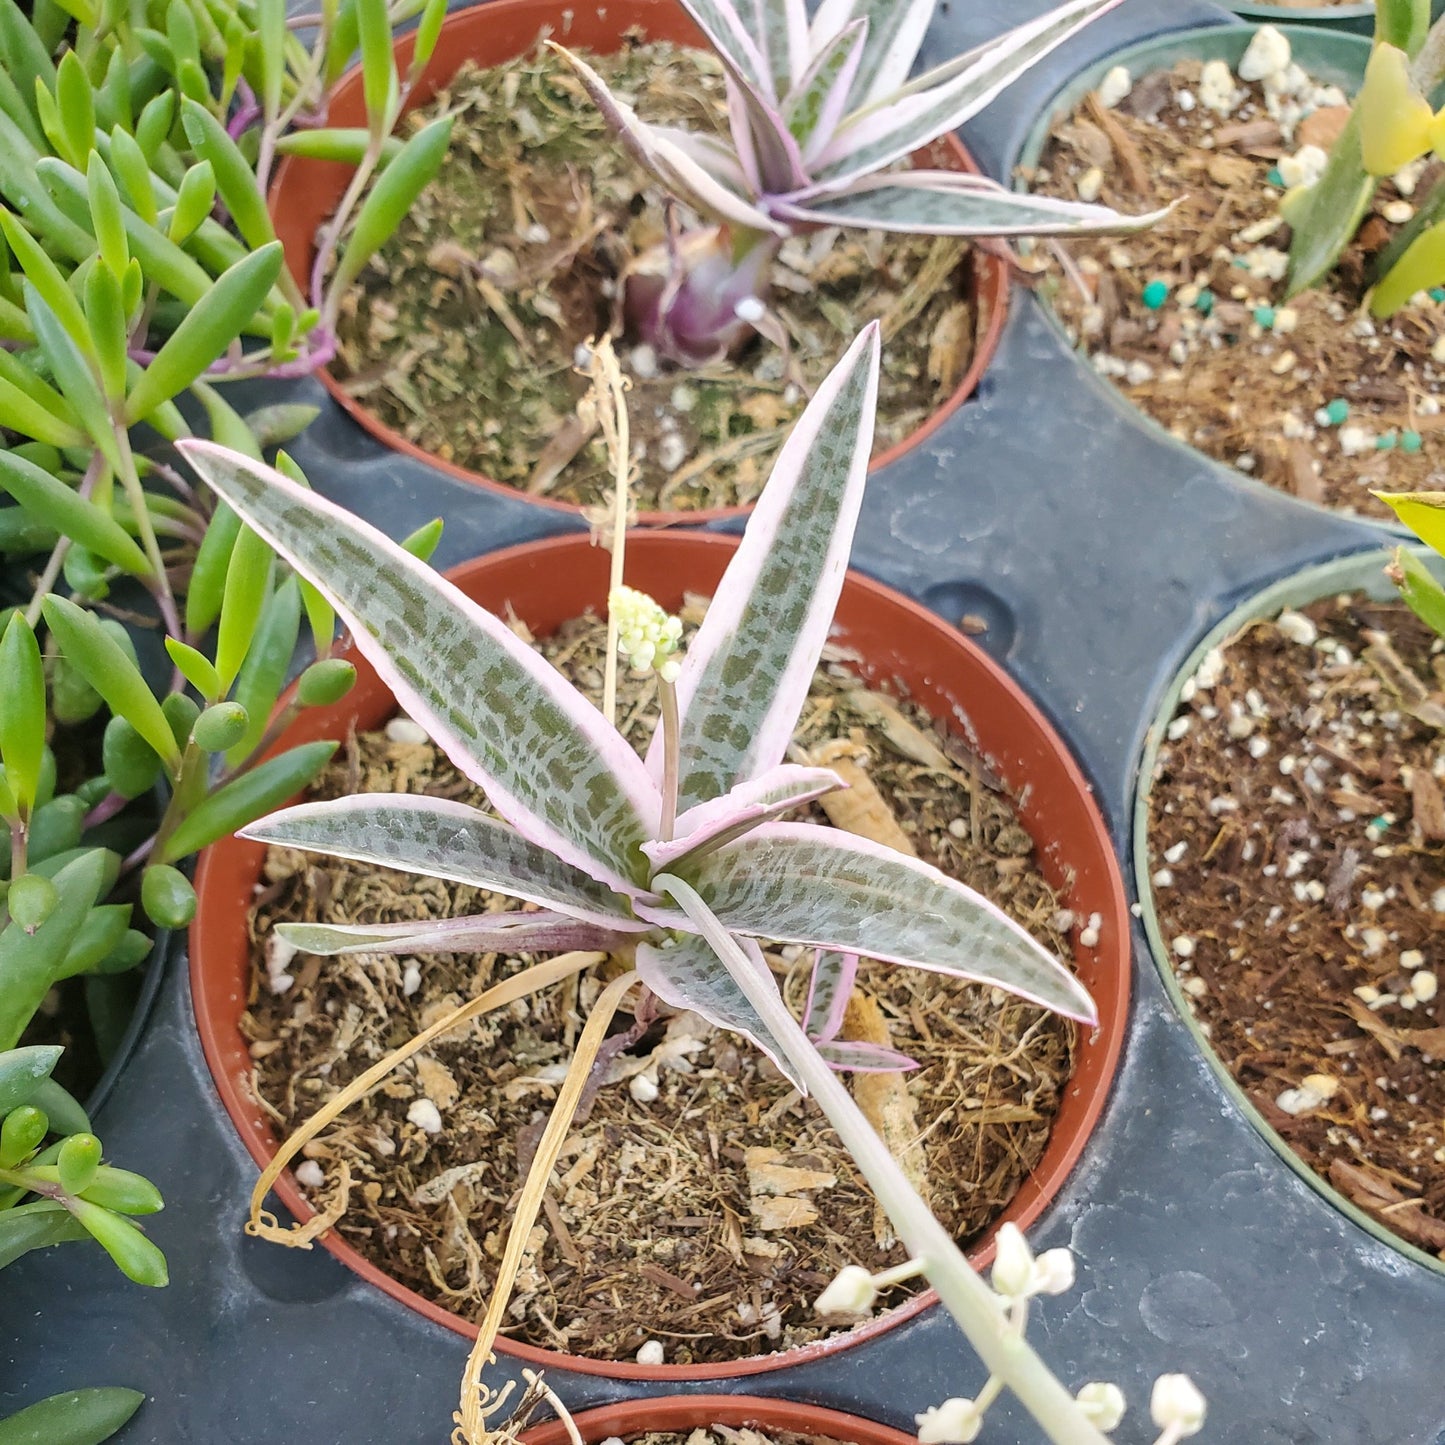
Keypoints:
pixel 1108 1038
pixel 993 290
pixel 1347 571
pixel 1320 15
pixel 760 1409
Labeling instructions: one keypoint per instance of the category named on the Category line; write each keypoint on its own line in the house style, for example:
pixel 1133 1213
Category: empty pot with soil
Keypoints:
pixel 755 1206
pixel 1192 321
pixel 1290 855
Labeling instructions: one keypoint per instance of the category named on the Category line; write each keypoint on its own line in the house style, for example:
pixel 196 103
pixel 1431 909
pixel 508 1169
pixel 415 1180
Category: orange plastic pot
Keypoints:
pixel 901 645
pixel 693 1412
pixel 307 192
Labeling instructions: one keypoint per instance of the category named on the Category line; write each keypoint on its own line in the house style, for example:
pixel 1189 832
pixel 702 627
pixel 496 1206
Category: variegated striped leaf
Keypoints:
pixel 896 29
pixel 820 99
pixel 687 974
pixel 852 1058
pixel 552 766
pixel 747 806
pixel 657 153
pixel 780 30
pixel 715 156
pixel 947 203
pixel 770 156
pixel 439 838
pixel 829 985
pixel 727 31
pixel 748 669
pixel 884 132
pixel 477 933
pixel 800 883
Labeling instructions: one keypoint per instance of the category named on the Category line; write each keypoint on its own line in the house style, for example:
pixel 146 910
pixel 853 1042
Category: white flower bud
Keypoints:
pixel 851 1293
pixel 1103 1404
pixel 1053 1272
pixel 1013 1265
pixel 953 1421
pixel 1177 1403
pixel 646 636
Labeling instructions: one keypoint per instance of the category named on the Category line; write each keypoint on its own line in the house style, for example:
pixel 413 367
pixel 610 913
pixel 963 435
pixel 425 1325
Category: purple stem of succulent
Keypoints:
pixel 104 810
pixel 137 856
pixel 313 359
pixel 316 355
pixel 247 114
pixel 683 297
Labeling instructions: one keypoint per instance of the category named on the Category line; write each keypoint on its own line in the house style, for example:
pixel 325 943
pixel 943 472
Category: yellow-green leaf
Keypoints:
pixel 1395 119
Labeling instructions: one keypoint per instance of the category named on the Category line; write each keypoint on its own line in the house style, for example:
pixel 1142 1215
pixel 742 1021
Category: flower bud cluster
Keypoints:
pixel 957 1420
pixel 647 637
pixel 1176 1406
pixel 852 1292
pixel 1017 1275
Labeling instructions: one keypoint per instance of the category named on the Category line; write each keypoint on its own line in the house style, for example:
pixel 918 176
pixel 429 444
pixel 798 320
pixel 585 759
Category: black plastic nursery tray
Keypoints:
pixel 1099 553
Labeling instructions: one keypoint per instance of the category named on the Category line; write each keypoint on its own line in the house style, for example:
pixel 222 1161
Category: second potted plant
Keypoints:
pixel 546 229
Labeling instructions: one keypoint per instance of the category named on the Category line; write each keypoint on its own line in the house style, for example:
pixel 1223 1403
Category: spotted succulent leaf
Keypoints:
pixel 653 149
pixel 551 764
pixel 820 100
pixel 766 148
pixel 477 933
pixel 748 669
pixel 728 31
pixel 895 32
pixel 759 800
pixel 829 985
pixel 685 973
pixel 439 838
pixel 800 883
pixel 951 203
pixel 940 101
pixel 860 1058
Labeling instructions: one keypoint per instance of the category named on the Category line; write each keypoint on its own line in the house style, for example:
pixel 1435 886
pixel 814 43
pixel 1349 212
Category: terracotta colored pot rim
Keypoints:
pixel 467 34
pixel 1363 571
pixel 690 1412
pixel 1055 788
pixel 1322 45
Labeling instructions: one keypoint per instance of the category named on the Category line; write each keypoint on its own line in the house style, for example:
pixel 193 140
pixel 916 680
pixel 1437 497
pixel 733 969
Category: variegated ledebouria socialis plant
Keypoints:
pixel 822 115
pixel 677 864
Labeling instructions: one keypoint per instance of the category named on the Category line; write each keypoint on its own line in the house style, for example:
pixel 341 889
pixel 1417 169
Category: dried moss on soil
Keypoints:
pixel 461 332
pixel 666 1220
pixel 1243 394
pixel 1303 890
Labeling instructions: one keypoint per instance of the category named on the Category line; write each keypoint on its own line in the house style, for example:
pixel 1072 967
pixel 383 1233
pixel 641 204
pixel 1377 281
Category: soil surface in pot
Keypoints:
pixel 1297 838
pixel 1190 319
pixel 461 334
pixel 701 1204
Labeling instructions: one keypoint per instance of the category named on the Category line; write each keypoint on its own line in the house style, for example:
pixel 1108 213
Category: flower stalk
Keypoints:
pixel 989 1328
